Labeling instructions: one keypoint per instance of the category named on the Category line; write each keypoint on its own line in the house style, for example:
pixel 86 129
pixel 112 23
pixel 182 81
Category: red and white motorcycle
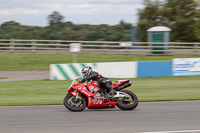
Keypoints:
pixel 91 95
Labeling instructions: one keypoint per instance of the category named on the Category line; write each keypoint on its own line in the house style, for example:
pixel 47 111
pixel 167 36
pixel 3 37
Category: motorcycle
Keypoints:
pixel 91 95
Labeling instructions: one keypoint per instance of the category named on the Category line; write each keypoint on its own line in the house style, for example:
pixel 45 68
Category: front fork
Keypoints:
pixel 77 96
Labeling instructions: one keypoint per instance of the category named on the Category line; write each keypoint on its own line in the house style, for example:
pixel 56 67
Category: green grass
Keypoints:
pixel 3 78
pixel 13 61
pixel 43 92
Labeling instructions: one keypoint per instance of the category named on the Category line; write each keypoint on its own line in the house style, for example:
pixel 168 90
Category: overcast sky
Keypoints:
pixel 35 12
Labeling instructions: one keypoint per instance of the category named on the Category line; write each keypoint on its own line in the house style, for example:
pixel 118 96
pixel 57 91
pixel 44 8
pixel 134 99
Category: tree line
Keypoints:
pixel 182 16
pixel 60 30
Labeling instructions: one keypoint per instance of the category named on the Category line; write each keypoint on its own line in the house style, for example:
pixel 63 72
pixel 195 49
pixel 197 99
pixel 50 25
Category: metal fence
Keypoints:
pixel 99 47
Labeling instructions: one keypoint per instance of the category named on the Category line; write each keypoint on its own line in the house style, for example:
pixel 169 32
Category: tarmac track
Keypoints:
pixel 23 75
pixel 176 116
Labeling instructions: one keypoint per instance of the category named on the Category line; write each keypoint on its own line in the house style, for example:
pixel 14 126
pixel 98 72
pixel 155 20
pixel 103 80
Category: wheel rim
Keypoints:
pixel 74 103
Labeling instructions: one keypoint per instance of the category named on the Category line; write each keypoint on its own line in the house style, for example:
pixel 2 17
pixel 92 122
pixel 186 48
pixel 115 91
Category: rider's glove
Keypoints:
pixel 83 80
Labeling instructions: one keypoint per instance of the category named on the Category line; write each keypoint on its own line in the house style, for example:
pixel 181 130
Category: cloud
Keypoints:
pixel 93 11
pixel 22 11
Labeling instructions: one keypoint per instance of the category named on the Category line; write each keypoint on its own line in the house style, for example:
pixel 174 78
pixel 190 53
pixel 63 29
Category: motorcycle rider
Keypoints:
pixel 89 74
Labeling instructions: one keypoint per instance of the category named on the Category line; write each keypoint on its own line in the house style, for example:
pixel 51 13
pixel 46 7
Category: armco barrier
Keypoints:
pixel 154 68
pixel 107 69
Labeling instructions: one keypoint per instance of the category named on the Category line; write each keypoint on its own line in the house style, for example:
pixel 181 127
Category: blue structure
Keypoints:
pixel 133 38
pixel 154 68
pixel 132 35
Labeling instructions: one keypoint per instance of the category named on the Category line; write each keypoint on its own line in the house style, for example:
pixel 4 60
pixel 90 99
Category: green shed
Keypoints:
pixel 159 34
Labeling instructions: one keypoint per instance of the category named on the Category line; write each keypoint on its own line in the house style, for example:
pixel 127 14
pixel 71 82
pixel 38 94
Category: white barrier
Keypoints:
pixel 107 69
pixel 118 69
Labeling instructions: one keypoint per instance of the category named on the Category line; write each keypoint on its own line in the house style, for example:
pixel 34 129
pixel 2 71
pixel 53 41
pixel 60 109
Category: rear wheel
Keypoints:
pixel 74 104
pixel 128 104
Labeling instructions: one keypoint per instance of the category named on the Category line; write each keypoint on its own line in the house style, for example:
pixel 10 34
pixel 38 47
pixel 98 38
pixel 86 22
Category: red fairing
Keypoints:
pixel 74 93
pixel 119 82
pixel 98 103
pixel 90 91
pixel 81 88
pixel 95 83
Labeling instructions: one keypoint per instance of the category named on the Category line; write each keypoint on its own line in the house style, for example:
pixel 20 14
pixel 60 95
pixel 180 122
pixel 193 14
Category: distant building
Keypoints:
pixel 133 38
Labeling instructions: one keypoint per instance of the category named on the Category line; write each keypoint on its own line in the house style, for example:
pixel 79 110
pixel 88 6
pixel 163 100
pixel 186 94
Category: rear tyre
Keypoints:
pixel 73 104
pixel 130 105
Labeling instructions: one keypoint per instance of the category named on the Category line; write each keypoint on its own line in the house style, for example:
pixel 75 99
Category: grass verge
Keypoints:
pixel 46 92
pixel 28 61
pixel 3 78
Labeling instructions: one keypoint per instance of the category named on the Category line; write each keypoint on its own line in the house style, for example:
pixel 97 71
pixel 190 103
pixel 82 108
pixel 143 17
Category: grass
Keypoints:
pixel 27 61
pixel 3 78
pixel 45 92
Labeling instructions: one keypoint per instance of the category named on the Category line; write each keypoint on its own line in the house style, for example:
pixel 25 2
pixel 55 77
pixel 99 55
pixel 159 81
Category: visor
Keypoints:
pixel 84 73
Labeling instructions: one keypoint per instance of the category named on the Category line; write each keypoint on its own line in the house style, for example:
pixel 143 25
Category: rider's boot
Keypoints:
pixel 112 92
pixel 106 99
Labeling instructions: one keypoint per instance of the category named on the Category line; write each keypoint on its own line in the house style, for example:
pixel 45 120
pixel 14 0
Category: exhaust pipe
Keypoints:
pixel 123 86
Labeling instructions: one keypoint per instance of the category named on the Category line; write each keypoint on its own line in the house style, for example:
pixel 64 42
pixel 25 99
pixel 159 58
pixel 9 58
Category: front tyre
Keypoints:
pixel 128 104
pixel 74 104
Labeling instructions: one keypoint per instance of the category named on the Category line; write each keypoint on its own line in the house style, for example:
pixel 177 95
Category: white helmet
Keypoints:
pixel 86 70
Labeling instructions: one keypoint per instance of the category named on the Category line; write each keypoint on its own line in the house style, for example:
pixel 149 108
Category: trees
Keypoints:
pixel 150 16
pixel 67 31
pixel 179 15
pixel 55 18
pixel 9 26
pixel 60 30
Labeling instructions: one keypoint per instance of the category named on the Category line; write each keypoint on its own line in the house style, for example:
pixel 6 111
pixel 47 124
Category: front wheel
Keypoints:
pixel 128 104
pixel 74 104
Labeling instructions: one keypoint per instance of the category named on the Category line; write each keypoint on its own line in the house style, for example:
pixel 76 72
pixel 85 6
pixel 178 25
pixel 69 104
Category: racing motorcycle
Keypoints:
pixel 91 95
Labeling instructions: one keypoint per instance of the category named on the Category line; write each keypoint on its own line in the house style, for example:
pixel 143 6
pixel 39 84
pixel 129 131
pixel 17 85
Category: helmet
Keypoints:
pixel 87 70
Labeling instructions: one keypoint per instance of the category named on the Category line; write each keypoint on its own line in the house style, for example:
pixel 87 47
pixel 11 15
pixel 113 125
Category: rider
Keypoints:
pixel 89 74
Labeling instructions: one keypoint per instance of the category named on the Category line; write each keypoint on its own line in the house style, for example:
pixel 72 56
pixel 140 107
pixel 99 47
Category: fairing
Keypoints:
pixel 90 90
pixel 119 82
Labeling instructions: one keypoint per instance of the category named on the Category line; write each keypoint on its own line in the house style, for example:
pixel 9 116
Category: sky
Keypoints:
pixel 35 12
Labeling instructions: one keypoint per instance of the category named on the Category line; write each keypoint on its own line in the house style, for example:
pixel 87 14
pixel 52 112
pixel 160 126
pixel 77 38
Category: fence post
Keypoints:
pixel 33 46
pixel 196 49
pixel 58 42
pixel 12 45
pixel 58 46
pixel 150 47
pixel 172 48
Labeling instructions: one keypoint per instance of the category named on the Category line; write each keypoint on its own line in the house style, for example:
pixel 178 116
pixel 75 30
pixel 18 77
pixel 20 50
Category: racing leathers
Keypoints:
pixel 94 76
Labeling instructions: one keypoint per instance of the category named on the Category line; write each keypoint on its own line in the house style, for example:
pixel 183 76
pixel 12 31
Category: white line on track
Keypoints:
pixel 182 131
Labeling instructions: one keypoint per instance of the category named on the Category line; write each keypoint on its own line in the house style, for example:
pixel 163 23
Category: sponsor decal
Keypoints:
pixel 95 89
pixel 95 83
pixel 118 82
pixel 91 87
pixel 79 88
pixel 85 92
pixel 186 66
pixel 99 101
pixel 74 93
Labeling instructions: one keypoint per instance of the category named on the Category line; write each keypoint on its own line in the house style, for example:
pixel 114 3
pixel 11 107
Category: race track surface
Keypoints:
pixel 176 117
pixel 23 75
